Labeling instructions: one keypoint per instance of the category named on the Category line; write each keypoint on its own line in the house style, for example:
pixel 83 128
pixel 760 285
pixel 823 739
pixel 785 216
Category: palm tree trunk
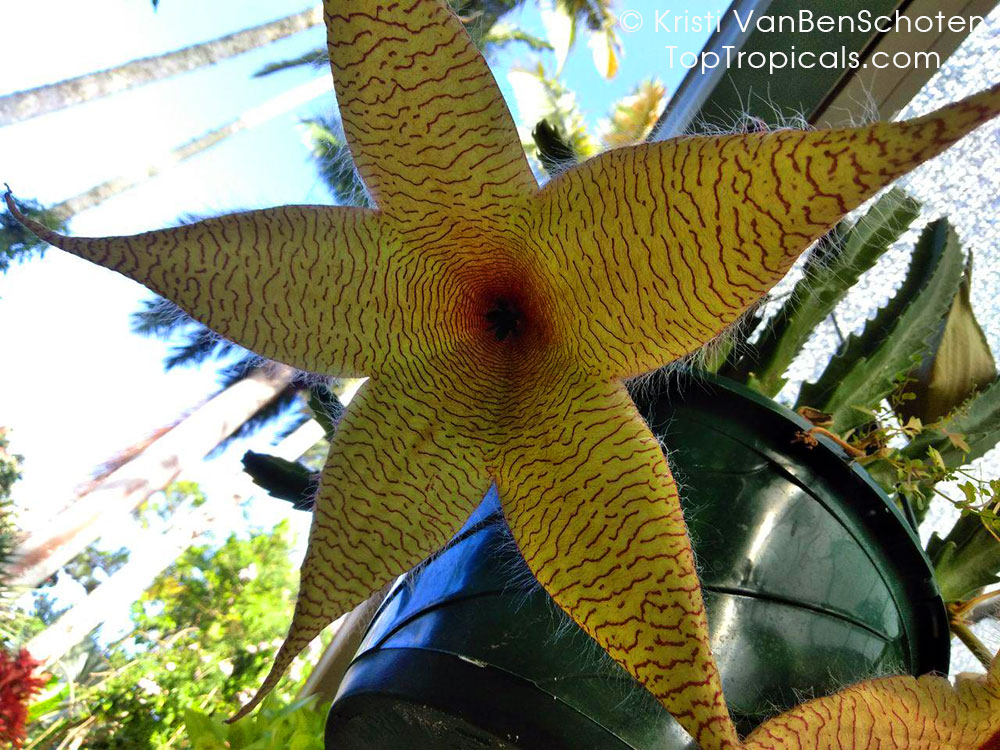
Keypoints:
pixel 23 105
pixel 41 554
pixel 278 105
pixel 151 553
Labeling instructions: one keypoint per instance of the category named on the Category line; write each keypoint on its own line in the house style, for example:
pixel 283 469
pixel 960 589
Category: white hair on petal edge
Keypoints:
pixel 883 667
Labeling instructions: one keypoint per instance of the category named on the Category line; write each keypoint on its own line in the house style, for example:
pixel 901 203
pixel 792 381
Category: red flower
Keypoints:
pixel 17 686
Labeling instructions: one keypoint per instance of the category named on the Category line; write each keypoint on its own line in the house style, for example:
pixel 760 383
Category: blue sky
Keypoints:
pixel 76 385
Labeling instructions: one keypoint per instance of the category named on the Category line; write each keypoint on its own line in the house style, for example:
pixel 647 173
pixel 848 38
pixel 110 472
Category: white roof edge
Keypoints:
pixel 697 86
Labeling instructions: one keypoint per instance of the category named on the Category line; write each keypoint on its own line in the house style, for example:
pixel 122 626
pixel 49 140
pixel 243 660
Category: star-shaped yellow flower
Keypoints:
pixel 497 321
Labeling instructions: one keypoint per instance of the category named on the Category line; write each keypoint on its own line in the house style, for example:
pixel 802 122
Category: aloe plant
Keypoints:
pixel 871 364
pixel 965 560
pixel 977 421
pixel 968 557
pixel 829 273
pixel 959 362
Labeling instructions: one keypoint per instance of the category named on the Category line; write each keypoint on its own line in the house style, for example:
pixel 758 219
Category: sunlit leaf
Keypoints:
pixel 560 29
pixel 541 97
pixel 868 367
pixel 605 48
pixel 633 117
pixel 958 363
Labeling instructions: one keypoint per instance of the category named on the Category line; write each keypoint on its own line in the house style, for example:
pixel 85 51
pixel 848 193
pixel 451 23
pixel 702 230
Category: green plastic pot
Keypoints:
pixel 812 580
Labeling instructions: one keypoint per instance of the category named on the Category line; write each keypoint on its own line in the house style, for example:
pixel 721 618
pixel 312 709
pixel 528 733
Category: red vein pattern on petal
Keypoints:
pixel 423 116
pixel 662 245
pixel 595 512
pixel 394 490
pixel 895 713
pixel 294 283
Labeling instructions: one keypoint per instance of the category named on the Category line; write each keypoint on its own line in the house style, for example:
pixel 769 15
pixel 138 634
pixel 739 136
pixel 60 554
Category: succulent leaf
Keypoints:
pixel 977 421
pixel 830 273
pixel 872 363
pixel 966 559
pixel 957 364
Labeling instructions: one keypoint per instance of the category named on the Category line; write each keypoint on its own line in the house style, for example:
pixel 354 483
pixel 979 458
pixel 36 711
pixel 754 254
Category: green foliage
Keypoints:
pixel 915 398
pixel 17 243
pixel 560 138
pixel 928 315
pixel 10 468
pixel 596 14
pixel 968 557
pixel 966 434
pixel 85 566
pixel 872 363
pixel 10 472
pixel 936 453
pixel 542 97
pixel 163 319
pixel 238 593
pixel 161 506
pixel 296 726
pixel 832 269
pixel 958 363
pixel 204 636
pixel 633 117
pixel 503 34
pixel 916 469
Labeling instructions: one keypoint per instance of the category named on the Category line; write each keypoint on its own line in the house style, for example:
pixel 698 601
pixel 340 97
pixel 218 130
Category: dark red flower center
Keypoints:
pixel 504 318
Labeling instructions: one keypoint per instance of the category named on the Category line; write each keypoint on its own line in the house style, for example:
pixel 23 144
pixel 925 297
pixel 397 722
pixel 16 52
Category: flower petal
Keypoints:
pixel 594 510
pixel 299 284
pixel 894 712
pixel 663 245
pixel 395 488
pixel 424 118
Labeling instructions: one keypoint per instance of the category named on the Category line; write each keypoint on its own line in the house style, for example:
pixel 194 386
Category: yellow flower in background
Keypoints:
pixel 497 320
